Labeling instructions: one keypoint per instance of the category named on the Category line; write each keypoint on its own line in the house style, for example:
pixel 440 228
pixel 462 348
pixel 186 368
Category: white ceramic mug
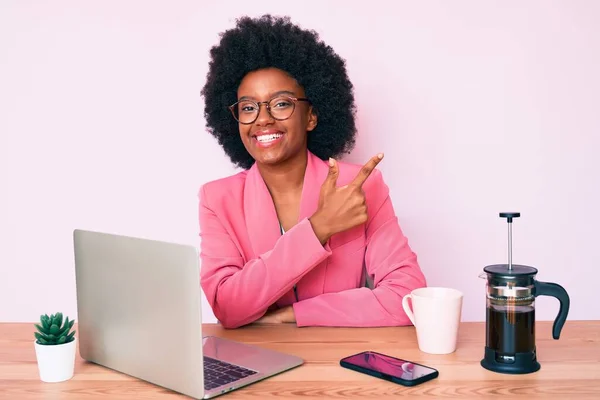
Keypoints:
pixel 436 314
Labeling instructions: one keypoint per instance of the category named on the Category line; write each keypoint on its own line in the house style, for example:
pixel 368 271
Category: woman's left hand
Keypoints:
pixel 279 316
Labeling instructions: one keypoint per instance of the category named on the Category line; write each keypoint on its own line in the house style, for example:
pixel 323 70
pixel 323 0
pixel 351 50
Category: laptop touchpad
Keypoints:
pixel 244 355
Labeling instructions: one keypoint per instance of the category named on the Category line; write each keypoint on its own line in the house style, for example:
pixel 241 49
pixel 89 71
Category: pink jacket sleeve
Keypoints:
pixel 241 293
pixel 390 261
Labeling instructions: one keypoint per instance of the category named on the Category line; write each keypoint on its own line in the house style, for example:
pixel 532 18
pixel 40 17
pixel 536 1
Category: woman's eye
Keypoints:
pixel 248 108
pixel 282 104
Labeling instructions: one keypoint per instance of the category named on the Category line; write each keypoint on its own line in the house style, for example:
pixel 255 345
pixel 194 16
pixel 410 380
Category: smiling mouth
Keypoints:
pixel 268 138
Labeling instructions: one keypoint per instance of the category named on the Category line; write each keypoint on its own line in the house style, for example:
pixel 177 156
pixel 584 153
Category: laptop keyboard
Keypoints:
pixel 217 373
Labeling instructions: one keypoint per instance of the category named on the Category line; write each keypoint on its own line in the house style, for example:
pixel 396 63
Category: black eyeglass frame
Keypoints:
pixel 295 100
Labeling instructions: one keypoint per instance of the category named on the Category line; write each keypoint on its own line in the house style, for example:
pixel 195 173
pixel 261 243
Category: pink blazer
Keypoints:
pixel 249 267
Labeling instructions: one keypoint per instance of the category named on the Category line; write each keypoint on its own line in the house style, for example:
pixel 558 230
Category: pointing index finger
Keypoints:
pixel 366 170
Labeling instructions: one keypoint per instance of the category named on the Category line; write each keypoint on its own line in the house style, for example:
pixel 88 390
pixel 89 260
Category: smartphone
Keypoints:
pixel 393 369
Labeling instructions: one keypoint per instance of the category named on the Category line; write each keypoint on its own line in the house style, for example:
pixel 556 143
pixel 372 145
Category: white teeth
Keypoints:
pixel 268 138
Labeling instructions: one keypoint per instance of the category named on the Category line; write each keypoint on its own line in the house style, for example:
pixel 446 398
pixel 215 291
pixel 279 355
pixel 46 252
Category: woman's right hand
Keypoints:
pixel 341 208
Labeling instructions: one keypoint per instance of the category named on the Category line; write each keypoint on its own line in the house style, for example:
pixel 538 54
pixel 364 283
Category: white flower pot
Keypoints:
pixel 56 362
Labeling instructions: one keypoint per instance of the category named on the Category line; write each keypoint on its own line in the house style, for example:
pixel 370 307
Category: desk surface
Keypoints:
pixel 570 366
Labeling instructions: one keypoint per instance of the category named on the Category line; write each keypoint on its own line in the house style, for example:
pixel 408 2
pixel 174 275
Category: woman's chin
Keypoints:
pixel 275 155
pixel 269 159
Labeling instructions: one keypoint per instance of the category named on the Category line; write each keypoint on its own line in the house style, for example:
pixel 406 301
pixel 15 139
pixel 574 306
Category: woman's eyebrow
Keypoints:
pixel 278 93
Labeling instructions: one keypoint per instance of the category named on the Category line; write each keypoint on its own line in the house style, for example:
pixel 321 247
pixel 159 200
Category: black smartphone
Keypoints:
pixel 393 369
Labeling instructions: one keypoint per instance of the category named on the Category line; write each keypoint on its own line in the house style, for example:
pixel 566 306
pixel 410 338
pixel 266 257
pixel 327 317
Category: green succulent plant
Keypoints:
pixel 53 330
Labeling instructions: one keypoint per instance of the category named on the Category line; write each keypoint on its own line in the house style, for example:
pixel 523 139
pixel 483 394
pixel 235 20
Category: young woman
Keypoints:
pixel 292 238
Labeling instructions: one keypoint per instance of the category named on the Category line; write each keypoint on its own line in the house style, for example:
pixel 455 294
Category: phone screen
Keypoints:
pixel 391 366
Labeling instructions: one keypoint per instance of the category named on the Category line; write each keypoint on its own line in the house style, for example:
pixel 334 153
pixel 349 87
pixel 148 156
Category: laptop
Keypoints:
pixel 139 313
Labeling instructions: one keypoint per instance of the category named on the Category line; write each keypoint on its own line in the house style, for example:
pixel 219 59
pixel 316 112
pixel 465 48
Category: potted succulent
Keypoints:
pixel 55 348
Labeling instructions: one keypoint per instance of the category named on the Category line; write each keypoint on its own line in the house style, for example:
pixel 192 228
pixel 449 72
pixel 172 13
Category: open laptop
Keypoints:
pixel 139 313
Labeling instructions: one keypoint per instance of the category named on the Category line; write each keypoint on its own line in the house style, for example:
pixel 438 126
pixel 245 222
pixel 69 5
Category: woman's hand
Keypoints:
pixel 279 316
pixel 341 208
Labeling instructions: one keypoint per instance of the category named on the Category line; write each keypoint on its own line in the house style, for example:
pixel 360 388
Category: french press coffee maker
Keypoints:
pixel 510 313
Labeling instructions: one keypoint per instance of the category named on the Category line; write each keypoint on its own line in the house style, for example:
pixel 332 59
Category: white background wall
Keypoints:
pixel 480 107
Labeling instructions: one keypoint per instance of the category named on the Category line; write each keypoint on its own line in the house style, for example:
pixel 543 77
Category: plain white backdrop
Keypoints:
pixel 480 107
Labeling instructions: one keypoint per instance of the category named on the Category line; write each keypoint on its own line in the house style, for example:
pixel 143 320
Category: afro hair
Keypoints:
pixel 269 41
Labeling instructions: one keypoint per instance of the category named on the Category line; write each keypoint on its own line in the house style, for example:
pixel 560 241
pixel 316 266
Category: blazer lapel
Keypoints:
pixel 312 284
pixel 261 217
pixel 316 172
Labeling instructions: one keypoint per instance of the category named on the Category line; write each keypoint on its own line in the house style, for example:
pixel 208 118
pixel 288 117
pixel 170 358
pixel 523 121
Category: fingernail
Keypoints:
pixel 331 162
pixel 380 155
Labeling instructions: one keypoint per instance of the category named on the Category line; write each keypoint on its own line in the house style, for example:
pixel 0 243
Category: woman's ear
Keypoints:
pixel 312 119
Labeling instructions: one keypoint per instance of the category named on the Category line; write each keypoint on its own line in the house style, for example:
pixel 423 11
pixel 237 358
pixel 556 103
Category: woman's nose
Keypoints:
pixel 264 116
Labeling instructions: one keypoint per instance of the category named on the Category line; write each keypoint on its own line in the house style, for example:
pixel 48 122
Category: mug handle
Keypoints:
pixel 407 309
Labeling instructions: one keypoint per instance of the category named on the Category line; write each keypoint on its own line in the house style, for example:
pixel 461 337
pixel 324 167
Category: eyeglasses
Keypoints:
pixel 279 108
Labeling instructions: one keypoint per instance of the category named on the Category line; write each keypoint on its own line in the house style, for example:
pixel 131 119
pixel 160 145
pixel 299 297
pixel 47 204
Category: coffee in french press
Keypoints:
pixel 510 313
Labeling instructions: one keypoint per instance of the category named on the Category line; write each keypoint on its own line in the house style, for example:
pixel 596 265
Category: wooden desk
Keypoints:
pixel 570 366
